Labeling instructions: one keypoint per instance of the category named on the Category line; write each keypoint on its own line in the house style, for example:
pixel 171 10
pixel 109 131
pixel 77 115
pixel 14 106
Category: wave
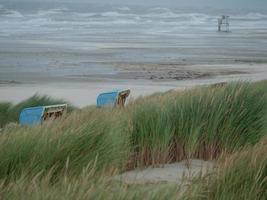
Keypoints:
pixel 9 13
pixel 125 8
pixel 57 11
pixel 118 14
pixel 159 10
pixel 250 16
pixel 124 15
pixel 13 14
pixel 121 12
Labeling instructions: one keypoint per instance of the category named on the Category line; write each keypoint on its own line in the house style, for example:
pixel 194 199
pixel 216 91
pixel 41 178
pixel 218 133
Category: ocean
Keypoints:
pixel 66 41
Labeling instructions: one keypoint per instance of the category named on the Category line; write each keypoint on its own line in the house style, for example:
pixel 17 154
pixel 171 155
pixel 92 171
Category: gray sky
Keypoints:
pixel 236 4
pixel 191 3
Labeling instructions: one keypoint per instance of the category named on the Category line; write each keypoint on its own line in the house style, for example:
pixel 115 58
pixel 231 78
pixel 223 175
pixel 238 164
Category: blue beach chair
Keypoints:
pixel 36 115
pixel 115 98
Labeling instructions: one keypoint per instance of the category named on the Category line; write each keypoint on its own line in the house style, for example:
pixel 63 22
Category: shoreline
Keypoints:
pixel 82 90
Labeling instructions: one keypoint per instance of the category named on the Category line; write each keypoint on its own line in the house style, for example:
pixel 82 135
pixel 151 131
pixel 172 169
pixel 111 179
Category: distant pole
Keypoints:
pixel 219 25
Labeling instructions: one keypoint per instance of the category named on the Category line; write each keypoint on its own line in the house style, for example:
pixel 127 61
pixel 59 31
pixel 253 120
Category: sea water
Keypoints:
pixel 67 41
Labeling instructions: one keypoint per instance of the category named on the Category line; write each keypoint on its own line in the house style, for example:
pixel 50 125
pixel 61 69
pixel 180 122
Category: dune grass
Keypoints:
pixel 242 175
pixel 83 140
pixel 4 113
pixel 200 123
pixel 151 134
pixel 73 156
pixel 83 187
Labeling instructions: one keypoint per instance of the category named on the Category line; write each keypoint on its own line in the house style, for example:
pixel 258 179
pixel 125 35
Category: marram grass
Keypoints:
pixel 242 175
pixel 76 141
pixel 4 113
pixel 52 161
pixel 200 123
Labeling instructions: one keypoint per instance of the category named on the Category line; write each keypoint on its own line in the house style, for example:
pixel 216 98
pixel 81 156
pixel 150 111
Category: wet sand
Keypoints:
pixel 174 71
pixel 142 79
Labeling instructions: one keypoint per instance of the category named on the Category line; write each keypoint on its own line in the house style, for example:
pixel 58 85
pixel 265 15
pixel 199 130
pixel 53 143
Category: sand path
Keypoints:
pixel 171 173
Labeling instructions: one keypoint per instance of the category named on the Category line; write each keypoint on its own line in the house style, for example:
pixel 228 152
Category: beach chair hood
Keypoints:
pixel 110 98
pixel 31 116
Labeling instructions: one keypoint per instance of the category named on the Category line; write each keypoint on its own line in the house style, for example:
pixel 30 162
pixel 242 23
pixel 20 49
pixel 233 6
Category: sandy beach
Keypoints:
pixel 140 78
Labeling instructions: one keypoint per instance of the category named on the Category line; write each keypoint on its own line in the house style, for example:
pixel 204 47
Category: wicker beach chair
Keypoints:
pixel 115 98
pixel 37 115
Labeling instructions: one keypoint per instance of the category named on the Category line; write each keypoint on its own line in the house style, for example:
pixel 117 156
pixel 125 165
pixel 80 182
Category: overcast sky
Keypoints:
pixel 237 4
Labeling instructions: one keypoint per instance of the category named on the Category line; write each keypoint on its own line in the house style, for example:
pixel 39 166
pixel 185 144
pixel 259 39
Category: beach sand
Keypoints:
pixel 178 173
pixel 142 79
